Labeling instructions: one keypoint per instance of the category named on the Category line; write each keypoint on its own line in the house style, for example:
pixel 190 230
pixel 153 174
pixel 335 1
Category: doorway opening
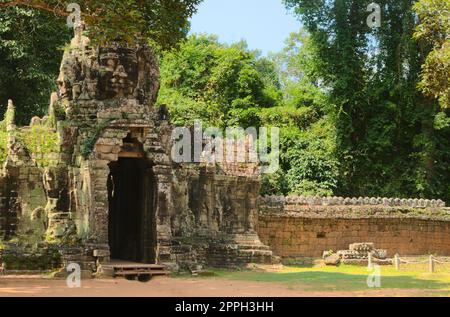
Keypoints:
pixel 132 223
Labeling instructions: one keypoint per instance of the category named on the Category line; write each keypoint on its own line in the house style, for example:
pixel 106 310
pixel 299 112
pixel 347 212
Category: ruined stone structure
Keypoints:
pixel 94 180
pixel 298 227
pixel 110 188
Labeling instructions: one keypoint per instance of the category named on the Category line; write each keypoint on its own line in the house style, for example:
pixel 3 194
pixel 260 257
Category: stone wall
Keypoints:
pixel 296 230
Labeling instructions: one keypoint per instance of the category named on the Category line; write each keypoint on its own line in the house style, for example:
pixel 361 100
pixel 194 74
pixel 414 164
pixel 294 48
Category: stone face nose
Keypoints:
pixel 120 82
pixel 120 77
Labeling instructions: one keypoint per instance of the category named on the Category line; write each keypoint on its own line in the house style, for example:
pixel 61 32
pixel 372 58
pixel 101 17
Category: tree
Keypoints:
pixel 387 142
pixel 223 85
pixel 433 31
pixel 164 22
pixel 31 43
pixel 34 32
pixel 308 162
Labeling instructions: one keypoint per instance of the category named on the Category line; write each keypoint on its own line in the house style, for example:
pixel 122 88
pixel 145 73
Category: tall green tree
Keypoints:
pixel 434 31
pixel 308 163
pixel 386 137
pixel 164 22
pixel 31 43
pixel 223 85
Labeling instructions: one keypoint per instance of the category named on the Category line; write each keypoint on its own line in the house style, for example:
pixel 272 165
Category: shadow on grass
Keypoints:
pixel 332 281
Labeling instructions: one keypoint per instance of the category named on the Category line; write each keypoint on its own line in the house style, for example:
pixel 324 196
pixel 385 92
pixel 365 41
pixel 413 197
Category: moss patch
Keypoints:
pixel 87 145
pixel 35 261
pixel 3 146
pixel 40 142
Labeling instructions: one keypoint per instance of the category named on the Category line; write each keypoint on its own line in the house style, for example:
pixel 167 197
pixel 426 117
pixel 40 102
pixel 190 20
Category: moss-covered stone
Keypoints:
pixel 3 146
pixel 17 255
pixel 42 143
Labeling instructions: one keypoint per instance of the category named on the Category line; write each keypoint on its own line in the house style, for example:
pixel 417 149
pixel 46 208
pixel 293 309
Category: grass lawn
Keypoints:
pixel 346 278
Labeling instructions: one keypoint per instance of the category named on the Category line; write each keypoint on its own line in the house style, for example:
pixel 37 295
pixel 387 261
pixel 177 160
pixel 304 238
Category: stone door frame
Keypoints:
pixel 106 150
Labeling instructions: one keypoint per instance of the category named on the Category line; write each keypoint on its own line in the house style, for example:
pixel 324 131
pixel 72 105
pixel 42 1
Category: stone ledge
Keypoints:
pixel 356 212
pixel 341 201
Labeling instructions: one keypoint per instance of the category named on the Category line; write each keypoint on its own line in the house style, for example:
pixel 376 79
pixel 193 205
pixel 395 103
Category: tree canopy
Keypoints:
pixel 391 139
pixel 164 22
pixel 434 31
pixel 31 43
pixel 220 84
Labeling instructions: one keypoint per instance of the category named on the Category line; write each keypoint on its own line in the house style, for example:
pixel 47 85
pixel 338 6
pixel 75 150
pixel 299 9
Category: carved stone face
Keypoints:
pixel 109 73
pixel 118 73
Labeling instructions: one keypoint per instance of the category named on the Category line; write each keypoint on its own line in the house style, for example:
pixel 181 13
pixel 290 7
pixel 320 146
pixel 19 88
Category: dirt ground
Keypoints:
pixel 170 287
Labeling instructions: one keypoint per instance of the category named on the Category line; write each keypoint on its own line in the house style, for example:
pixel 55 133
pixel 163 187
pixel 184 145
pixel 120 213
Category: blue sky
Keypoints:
pixel 264 24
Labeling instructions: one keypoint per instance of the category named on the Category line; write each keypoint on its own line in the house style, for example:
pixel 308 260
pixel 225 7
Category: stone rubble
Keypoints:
pixel 357 254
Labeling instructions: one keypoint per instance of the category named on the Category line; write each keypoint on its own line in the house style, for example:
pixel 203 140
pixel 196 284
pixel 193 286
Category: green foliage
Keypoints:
pixel 3 146
pixel 314 170
pixel 30 55
pixel 441 121
pixel 308 162
pixel 88 143
pixel 40 142
pixel 219 84
pixel 163 22
pixel 390 138
pixel 433 31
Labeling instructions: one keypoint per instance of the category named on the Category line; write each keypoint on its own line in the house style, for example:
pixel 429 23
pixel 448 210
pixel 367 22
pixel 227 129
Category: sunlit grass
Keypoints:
pixel 347 278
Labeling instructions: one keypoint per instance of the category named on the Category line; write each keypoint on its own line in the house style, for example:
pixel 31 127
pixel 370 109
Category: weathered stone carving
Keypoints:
pixel 105 116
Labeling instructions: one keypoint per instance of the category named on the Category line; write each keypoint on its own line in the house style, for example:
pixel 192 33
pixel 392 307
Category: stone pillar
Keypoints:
pixel 252 205
pixel 99 208
pixel 163 212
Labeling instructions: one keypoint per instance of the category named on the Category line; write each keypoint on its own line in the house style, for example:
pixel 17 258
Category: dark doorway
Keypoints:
pixel 132 227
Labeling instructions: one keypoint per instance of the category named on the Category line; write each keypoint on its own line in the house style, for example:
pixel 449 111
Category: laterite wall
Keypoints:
pixel 307 233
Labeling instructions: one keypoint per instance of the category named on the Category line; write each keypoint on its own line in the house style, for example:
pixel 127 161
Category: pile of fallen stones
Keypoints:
pixel 357 254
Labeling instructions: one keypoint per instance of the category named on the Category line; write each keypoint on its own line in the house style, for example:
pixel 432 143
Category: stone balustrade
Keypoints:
pixel 278 201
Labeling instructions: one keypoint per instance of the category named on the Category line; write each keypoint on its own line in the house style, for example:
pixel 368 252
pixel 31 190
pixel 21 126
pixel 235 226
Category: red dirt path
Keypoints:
pixel 168 287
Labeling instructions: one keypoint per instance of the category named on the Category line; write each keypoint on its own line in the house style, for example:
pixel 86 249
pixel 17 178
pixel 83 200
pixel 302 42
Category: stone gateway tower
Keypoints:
pixel 111 189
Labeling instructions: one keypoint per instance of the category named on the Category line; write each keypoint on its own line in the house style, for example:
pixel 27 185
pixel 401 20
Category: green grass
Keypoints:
pixel 345 278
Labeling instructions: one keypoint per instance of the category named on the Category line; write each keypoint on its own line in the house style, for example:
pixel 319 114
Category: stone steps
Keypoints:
pixel 257 252
pixel 133 270
pixel 261 247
